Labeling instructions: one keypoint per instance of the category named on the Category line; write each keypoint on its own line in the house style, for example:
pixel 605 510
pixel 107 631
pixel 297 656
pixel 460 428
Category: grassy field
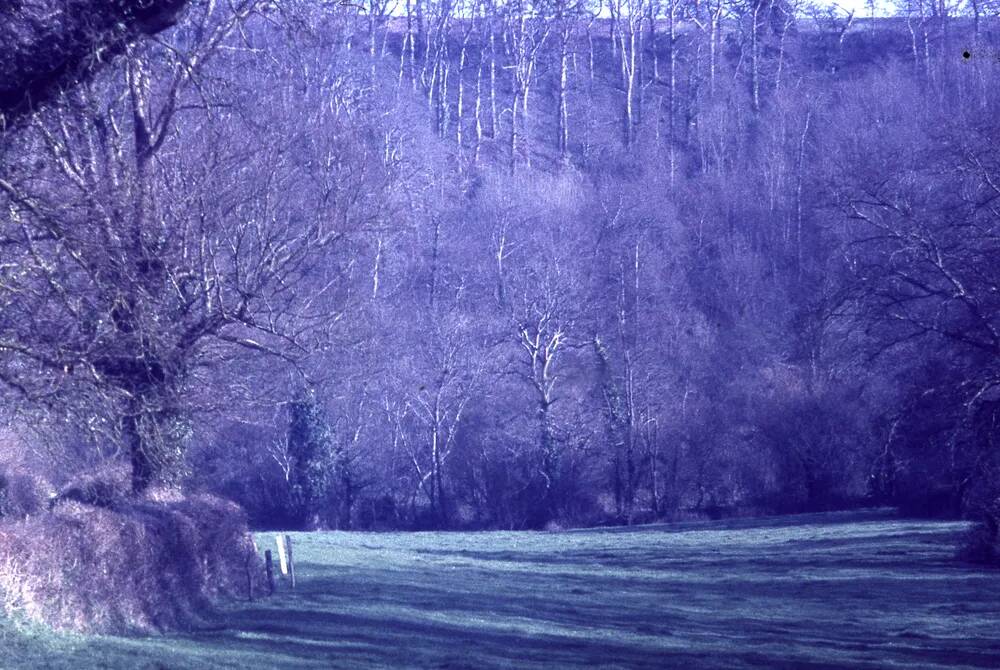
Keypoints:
pixel 843 590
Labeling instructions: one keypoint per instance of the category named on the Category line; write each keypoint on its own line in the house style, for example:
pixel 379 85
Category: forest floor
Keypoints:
pixel 842 590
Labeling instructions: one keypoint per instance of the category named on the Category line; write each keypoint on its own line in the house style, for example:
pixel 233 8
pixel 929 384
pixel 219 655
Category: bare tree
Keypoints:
pixel 125 289
pixel 526 30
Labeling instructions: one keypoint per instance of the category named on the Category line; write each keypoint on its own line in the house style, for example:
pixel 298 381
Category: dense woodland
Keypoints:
pixel 498 264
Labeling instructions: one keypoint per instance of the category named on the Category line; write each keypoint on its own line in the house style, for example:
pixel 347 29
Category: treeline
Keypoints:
pixel 507 265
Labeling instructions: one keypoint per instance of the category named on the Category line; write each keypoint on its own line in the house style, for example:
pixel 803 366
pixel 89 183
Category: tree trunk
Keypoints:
pixel 712 39
pixel 143 469
pixel 513 131
pixel 563 95
pixel 493 83
pixel 754 58
pixel 672 104
pixel 479 110
pixel 550 462
pixel 460 108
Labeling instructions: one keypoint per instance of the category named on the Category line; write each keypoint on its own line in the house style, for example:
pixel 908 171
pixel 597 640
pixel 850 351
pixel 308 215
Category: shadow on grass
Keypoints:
pixel 449 618
pixel 309 637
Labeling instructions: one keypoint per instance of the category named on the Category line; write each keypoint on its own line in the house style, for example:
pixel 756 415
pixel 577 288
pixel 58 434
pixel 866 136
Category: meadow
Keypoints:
pixel 841 590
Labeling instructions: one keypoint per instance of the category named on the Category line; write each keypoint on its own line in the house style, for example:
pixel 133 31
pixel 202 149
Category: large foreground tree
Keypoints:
pixel 143 248
pixel 49 45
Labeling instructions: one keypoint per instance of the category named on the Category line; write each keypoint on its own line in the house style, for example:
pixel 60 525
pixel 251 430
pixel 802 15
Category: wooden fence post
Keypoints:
pixel 291 559
pixel 282 554
pixel 269 566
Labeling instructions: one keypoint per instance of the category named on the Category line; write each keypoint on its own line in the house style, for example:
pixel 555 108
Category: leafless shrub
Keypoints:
pixel 226 546
pixel 22 494
pixel 139 567
pixel 105 486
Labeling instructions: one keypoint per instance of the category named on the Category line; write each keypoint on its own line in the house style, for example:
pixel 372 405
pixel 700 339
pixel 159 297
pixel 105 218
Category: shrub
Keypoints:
pixel 227 549
pixel 22 494
pixel 139 567
pixel 105 486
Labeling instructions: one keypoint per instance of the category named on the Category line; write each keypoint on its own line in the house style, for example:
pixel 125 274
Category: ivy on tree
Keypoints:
pixel 310 446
